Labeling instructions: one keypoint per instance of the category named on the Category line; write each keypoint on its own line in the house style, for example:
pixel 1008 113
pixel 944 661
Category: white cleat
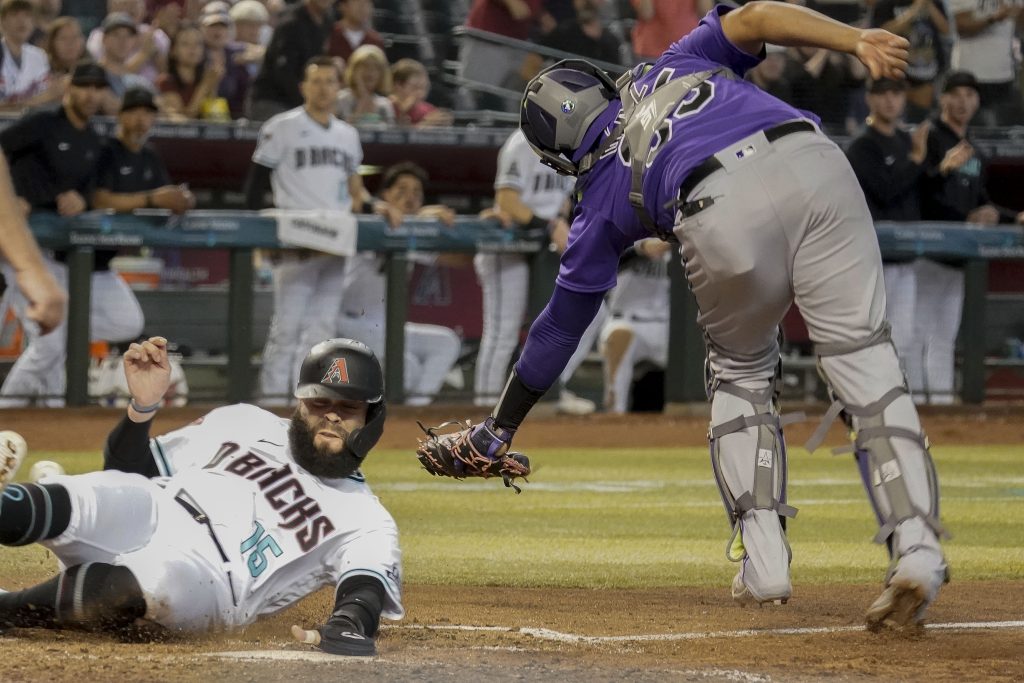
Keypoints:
pixel 910 591
pixel 742 595
pixel 571 404
pixel 13 450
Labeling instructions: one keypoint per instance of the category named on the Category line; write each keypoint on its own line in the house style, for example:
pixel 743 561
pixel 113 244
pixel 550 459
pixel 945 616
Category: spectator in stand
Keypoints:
pixel 430 350
pixel 25 70
pixel 770 74
pixel 120 36
pixel 830 84
pixel 889 163
pixel 234 85
pixel 46 12
pixel 585 34
pixel 53 155
pixel 190 84
pixel 954 191
pixel 150 52
pixel 131 175
pixel 65 46
pixel 504 67
pixel 924 24
pixel 300 35
pixel 251 23
pixel 364 100
pixel 410 85
pixel 659 23
pixel 985 47
pixel 353 29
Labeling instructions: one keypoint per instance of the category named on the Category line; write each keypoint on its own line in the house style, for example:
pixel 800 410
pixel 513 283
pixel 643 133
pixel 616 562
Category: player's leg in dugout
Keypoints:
pixel 294 291
pixel 81 519
pixel 430 354
pixel 320 315
pixel 504 282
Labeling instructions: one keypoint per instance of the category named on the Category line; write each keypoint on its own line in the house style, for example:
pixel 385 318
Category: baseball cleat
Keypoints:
pixel 571 404
pixel 13 450
pixel 743 597
pixel 899 607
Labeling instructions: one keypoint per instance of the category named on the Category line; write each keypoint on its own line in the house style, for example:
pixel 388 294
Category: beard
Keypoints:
pixel 320 462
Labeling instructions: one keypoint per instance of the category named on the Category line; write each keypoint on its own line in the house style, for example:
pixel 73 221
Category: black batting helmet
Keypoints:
pixel 345 369
pixel 341 369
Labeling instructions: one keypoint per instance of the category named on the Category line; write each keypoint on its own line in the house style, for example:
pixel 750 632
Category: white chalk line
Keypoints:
pixel 559 636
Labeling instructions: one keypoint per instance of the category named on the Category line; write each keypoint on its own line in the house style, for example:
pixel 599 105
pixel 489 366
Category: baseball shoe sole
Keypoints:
pixel 744 598
pixel 898 607
pixel 12 452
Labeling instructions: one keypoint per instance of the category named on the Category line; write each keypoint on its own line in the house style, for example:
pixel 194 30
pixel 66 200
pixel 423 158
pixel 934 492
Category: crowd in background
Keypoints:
pixel 222 60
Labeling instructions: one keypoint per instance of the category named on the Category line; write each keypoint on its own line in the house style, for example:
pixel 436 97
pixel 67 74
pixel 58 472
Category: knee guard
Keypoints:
pixel 891 450
pixel 749 478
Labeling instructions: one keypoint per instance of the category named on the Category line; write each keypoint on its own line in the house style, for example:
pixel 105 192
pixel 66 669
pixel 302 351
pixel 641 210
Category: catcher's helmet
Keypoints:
pixel 559 105
pixel 341 369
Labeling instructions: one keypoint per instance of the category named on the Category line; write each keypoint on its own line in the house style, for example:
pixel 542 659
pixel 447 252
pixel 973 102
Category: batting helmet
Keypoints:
pixel 346 369
pixel 559 105
pixel 341 369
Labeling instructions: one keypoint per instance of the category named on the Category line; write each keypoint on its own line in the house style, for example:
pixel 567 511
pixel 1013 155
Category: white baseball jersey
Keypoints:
pixel 539 186
pixel 20 81
pixel 286 533
pixel 987 54
pixel 311 163
pixel 642 290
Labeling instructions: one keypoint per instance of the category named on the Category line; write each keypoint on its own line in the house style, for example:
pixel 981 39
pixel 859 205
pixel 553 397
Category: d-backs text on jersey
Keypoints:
pixel 322 156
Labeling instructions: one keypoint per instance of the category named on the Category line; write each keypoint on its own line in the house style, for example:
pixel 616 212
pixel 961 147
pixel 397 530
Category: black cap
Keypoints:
pixel 118 20
pixel 88 73
pixel 957 79
pixel 341 369
pixel 881 85
pixel 138 97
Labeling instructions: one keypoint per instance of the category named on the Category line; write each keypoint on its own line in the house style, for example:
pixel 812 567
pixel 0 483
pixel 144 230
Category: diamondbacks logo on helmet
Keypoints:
pixel 568 106
pixel 337 373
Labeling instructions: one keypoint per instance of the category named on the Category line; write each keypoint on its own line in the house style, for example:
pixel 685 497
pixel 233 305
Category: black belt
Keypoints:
pixel 711 164
pixel 195 512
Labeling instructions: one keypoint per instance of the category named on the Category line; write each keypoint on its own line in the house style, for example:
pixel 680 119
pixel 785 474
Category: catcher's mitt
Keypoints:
pixel 454 455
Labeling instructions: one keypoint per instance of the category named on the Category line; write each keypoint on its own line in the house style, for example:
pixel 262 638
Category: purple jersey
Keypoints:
pixel 713 116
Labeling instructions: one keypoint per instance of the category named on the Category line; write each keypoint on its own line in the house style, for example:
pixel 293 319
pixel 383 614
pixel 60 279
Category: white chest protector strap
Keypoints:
pixel 640 122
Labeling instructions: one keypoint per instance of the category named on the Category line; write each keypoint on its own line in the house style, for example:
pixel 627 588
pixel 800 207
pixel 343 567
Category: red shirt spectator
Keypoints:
pixel 353 29
pixel 659 23
pixel 512 18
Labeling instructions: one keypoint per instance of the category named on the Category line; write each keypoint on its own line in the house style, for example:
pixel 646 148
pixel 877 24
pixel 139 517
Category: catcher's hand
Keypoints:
pixel 473 451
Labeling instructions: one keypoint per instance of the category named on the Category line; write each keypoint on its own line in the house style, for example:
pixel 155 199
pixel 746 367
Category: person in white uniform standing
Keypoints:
pixel 210 526
pixel 430 350
pixel 309 157
pixel 527 195
pixel 637 330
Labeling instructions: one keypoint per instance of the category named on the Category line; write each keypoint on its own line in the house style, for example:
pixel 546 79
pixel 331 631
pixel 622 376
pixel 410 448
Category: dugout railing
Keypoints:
pixel 242 232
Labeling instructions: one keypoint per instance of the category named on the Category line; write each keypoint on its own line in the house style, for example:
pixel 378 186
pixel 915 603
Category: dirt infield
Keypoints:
pixel 468 634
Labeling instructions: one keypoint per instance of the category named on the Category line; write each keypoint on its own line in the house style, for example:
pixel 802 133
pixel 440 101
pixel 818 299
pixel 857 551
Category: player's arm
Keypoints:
pixel 757 23
pixel 148 372
pixel 361 199
pixel 257 185
pixel 352 626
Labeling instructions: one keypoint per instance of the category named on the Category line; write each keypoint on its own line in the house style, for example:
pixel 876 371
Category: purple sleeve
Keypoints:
pixel 554 336
pixel 708 42
pixel 591 259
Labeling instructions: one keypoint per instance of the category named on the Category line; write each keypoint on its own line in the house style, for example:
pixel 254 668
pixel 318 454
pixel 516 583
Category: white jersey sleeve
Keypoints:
pixel 197 444
pixel 271 144
pixel 540 188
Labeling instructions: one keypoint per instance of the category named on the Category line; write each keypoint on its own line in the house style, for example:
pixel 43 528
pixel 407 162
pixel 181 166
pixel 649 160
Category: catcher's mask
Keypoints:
pixel 345 369
pixel 559 105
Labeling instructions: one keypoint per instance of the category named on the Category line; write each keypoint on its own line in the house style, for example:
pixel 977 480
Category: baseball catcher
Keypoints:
pixel 237 515
pixel 765 211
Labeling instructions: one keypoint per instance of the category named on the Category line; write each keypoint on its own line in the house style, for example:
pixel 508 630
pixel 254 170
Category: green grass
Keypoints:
pixel 653 517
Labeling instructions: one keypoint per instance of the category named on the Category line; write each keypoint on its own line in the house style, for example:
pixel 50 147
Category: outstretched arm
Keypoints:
pixel 756 23
pixel 352 626
pixel 148 372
